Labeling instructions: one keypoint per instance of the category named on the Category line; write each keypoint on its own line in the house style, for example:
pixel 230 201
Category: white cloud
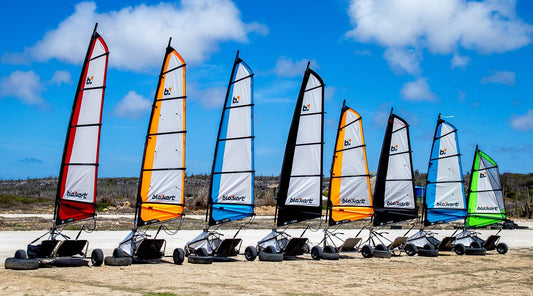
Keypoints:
pixel 137 36
pixel 286 67
pixel 440 26
pixel 522 122
pixel 60 77
pixel 24 86
pixel 132 106
pixel 501 77
pixel 329 92
pixel 459 61
pixel 402 60
pixel 209 98
pixel 417 90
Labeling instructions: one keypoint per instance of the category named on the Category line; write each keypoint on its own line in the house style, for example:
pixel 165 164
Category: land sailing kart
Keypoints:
pixel 210 246
pixel 278 245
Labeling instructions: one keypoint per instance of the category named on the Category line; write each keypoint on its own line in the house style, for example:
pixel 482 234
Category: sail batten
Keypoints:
pixel 76 194
pixel 299 197
pixel 444 199
pixel 394 196
pixel 231 191
pixel 162 179
pixel 349 196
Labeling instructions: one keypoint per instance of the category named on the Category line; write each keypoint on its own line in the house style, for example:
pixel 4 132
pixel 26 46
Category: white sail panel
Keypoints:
pixel 354 192
pixel 166 187
pixel 304 192
pixel 79 185
pixel 235 188
pixel 304 160
pixel 399 195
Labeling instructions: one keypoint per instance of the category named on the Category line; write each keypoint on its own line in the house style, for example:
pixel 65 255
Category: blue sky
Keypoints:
pixel 468 59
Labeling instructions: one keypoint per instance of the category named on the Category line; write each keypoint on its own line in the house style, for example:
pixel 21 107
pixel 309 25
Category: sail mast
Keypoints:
pixel 162 175
pixel 76 191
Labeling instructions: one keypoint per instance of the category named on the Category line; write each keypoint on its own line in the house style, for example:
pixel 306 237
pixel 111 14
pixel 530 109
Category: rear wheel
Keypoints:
pixel 330 249
pixel 119 253
pixel 367 251
pixel 316 252
pixel 97 257
pixel 502 248
pixel 410 249
pixel 178 256
pixel 429 247
pixel 459 249
pixel 270 250
pixel 381 247
pixel 201 252
pixel 20 254
pixel 475 245
pixel 250 253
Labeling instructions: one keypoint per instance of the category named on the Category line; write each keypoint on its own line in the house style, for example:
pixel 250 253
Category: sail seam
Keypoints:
pixel 176 68
pixel 355 147
pixel 91 88
pixel 164 169
pixel 300 176
pixel 442 136
pixel 460 181
pixel 173 98
pixel 348 124
pixel 242 78
pixel 240 106
pixel 447 156
pixel 313 88
pixel 104 54
pixel 237 138
pixel 307 144
pixel 234 172
pixel 348 176
pixel 86 125
pixel 491 190
pixel 82 163
pixel 315 113
pixel 167 133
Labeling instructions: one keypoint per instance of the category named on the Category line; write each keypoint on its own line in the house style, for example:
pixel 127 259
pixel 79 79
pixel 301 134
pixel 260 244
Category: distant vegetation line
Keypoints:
pixel 119 194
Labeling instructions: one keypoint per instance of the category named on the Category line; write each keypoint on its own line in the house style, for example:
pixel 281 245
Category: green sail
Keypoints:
pixel 485 197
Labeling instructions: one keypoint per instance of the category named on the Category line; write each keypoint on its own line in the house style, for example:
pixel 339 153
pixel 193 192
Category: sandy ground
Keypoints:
pixel 449 274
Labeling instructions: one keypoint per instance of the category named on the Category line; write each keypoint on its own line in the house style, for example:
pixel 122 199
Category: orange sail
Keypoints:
pixel 350 198
pixel 162 178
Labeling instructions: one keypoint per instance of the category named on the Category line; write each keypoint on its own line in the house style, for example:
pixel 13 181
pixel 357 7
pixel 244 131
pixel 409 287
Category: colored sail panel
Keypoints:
pixel 349 195
pixel 232 183
pixel 394 196
pixel 485 198
pixel 76 196
pixel 445 197
pixel 163 169
pixel 300 197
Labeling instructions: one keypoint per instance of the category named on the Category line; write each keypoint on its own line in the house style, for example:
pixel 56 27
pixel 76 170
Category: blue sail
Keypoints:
pixel 231 195
pixel 445 196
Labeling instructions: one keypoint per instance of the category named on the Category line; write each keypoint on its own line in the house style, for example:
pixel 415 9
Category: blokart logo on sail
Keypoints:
pixel 167 91
pixel 347 142
pixel 442 151
pixel 483 175
pixel 89 80
pixel 163 197
pixel 487 208
pixel 353 201
pixel 394 148
pixel 236 100
pixel 447 204
pixel 77 194
pixel 301 200
pixel 306 108
pixel 398 203
pixel 233 198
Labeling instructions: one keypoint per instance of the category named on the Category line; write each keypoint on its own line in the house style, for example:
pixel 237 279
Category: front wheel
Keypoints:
pixel 97 257
pixel 502 248
pixel 459 249
pixel 410 249
pixel 20 254
pixel 250 253
pixel 178 256
pixel 367 251
pixel 316 252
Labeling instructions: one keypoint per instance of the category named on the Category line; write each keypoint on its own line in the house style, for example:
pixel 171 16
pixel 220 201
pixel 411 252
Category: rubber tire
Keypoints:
pixel 195 259
pixel 21 264
pixel 459 249
pixel 367 251
pixel 330 249
pixel 316 252
pixel 270 257
pixel 270 250
pixel 202 252
pixel 250 253
pixel 502 248
pixel 476 251
pixel 475 245
pixel 119 253
pixel 428 253
pixel 381 247
pixel 118 261
pixel 97 257
pixel 178 256
pixel 382 253
pixel 331 256
pixel 20 254
pixel 428 247
pixel 410 249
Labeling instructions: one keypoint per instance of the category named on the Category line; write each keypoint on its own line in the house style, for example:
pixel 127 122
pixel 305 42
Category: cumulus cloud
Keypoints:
pixel 459 61
pixel 286 67
pixel 500 77
pixel 403 61
pixel 209 98
pixel 24 86
pixel 417 90
pixel 60 77
pixel 138 35
pixel 442 27
pixel 132 106
pixel 522 122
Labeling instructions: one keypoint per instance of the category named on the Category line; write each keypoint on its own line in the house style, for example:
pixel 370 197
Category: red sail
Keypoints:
pixel 76 194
